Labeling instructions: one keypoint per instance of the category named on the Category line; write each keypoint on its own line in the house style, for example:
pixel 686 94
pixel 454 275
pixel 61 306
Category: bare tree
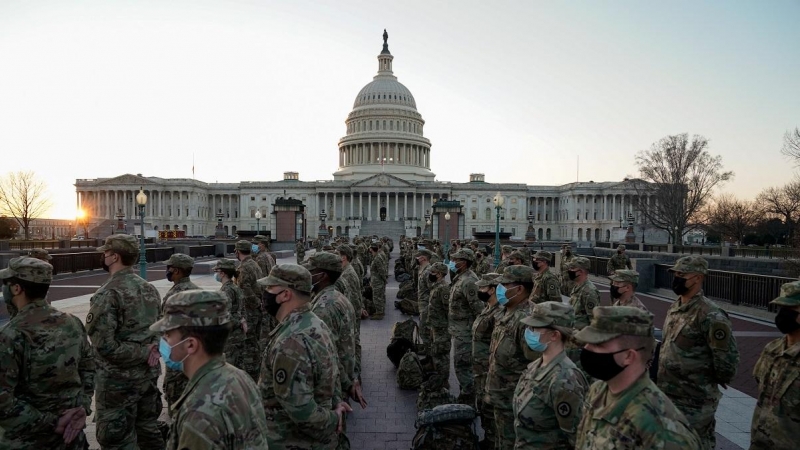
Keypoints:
pixel 791 144
pixel 24 197
pixel 676 178
pixel 731 217
pixel 782 203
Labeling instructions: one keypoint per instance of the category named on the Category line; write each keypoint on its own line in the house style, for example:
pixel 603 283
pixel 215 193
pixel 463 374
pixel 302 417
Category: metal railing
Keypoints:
pixel 698 250
pixel 599 265
pixel 770 253
pixel 662 248
pixel 196 251
pixel 737 288
pixel 76 262
pixel 602 244
pixel 27 245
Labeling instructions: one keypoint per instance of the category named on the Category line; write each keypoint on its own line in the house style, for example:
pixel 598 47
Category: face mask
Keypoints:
pixel 601 365
pixel 535 265
pixel 532 339
pixel 218 277
pixel 679 285
pixel 433 278
pixel 500 292
pixel 615 293
pixel 619 253
pixel 254 249
pixel 785 320
pixel 314 285
pixel 166 350
pixel 568 252
pixel 103 264
pixel 169 275
pixel 572 275
pixel 484 296
pixel 452 266
pixel 7 295
pixel 270 302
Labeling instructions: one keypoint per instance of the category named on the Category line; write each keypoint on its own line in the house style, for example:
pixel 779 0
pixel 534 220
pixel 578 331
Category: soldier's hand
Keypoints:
pixel 357 395
pixel 153 355
pixel 340 409
pixel 75 425
pixel 364 314
pixel 244 326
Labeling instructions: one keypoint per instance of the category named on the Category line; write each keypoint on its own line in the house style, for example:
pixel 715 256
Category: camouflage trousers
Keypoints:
pixel 301 257
pixel 127 414
pixel 234 351
pixel 42 441
pixel 424 330
pixel 174 384
pixel 700 413
pixel 251 349
pixel 378 295
pixel 440 355
pixel 358 344
pixel 486 412
pixel 505 436
pixel 462 362
pixel 566 284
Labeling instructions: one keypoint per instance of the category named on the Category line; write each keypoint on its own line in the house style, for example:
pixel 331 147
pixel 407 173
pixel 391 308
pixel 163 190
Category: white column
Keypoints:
pixel 369 206
pixel 414 203
pixel 405 204
pixel 397 206
pixel 361 204
pixel 334 205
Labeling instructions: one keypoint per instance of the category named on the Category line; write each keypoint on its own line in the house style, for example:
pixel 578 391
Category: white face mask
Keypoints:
pixel 218 277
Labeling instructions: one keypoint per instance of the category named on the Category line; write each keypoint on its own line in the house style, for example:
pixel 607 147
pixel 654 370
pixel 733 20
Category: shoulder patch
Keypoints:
pixel 590 305
pixel 280 376
pixel 564 409
pixel 720 335
pixel 89 318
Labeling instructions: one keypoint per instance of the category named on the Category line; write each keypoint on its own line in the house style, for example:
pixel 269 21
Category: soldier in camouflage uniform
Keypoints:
pixel 300 250
pixel 464 307
pixel 179 269
pixel 423 258
pixel 220 407
pixel 482 330
pixel 358 266
pixel 299 373
pixel 623 289
pixel 549 396
pixel 47 366
pixel 626 409
pixel 618 261
pixel 483 266
pixel 40 253
pixel 509 355
pixel 566 258
pixel 128 402
pixel 776 415
pixel 378 270
pixel 224 271
pixel 247 279
pixel 516 258
pixel 699 352
pixel 584 296
pixel 318 245
pixel 264 259
pixel 349 284
pixel 505 252
pixel 438 310
pixel 546 287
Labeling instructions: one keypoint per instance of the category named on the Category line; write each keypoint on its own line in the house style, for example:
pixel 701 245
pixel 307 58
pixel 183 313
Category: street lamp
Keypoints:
pixel 498 204
pixel 258 219
pixel 428 224
pixel 447 236
pixel 300 222
pixel 141 200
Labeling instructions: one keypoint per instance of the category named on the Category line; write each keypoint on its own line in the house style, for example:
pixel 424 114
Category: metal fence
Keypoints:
pixel 196 251
pixel 599 265
pixel 737 288
pixel 699 250
pixel 770 253
pixel 76 262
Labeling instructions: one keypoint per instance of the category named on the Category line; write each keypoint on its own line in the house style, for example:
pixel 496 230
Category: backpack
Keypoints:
pixel 446 427
pixel 408 307
pixel 405 336
pixel 409 371
pixel 406 290
pixel 430 398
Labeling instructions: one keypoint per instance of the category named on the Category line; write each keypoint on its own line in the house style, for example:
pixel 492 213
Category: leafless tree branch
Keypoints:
pixel 24 197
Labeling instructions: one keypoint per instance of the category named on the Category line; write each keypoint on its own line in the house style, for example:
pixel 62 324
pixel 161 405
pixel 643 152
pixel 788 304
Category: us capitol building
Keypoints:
pixel 383 185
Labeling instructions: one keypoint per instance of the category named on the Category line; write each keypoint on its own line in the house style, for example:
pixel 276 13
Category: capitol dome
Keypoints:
pixel 384 130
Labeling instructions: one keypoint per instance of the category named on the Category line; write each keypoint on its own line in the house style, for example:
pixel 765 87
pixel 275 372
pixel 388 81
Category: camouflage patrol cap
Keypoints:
pixel 324 261
pixel 180 260
pixel 439 268
pixel 464 253
pixel 609 322
pixel 225 264
pixel 423 253
pixel 507 249
pixel 346 250
pixel 543 254
pixel 620 247
pixel 193 308
pixel 244 245
pixel 580 262
pixel 517 274
pixel 120 243
pixel 555 315
pixel 289 275
pixel 474 243
pixel 625 276
pixel 28 269
pixel 40 253
pixel 516 254
pixel 327 248
pixel 691 264
pixel 260 238
pixel 488 279
pixel 790 295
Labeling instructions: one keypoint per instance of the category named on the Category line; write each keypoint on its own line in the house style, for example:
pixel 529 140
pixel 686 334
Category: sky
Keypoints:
pixel 518 90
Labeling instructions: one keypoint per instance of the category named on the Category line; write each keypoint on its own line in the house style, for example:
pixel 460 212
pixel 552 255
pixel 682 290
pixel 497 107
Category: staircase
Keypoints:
pixel 392 228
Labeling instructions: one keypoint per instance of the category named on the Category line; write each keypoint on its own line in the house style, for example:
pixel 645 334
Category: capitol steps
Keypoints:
pixel 392 228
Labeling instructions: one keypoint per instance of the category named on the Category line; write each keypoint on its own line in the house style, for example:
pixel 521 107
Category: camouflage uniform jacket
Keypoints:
pixel 502 266
pixel 482 267
pixel 583 298
pixel 546 288
pixel 777 413
pixel 507 356
pixel 641 417
pixel 565 260
pixel 265 262
pixel 633 301
pixel 378 268
pixel 298 383
pixel 482 337
pixel 300 249
pixel 236 309
pixel 333 308
pixel 249 273
pixel 438 311
pixel 464 304
pixel 184 284
pixel 359 268
pixel 423 295
pixel 349 284
pixel 618 262
pixel 698 352
pixel 547 404
pixel 118 324
pixel 220 408
pixel 46 367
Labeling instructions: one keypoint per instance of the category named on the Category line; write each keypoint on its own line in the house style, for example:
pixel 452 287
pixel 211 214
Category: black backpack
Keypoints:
pixel 405 336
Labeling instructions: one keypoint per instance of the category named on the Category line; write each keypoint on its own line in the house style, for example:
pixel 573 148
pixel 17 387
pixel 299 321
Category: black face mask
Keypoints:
pixel 679 285
pixel 535 265
pixel 786 320
pixel 433 278
pixel 600 365
pixel 484 296
pixel 572 275
pixel 270 302
pixel 568 252
pixel 615 293
pixel 169 276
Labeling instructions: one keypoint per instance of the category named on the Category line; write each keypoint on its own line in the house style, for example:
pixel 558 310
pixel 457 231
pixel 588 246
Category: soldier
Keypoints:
pixel 775 416
pixel 264 259
pixel 505 252
pixel 247 279
pixel 318 244
pixel 349 284
pixel 509 355
pixel 40 253
pixel 584 296
pixel 618 261
pixel 47 366
pixel 300 250
pixel 378 270
pixel 549 396
pixel 699 352
pixel 464 307
pixel 128 402
pixel 358 266
pixel 423 258
pixel 482 263
pixel 566 258
pixel 625 409
pixel 623 289
pixel 299 373
pixel 194 330
pixel 482 330
pixel 546 287
pixel 516 258
pixel 224 271
pixel 438 310
pixel 179 269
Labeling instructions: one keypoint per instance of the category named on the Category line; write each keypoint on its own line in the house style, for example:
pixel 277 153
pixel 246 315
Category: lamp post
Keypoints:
pixel 428 224
pixel 300 222
pixel 258 219
pixel 141 200
pixel 498 204
pixel 447 237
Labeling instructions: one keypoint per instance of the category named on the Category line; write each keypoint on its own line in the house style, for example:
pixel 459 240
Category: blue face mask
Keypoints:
pixel 452 266
pixel 218 277
pixel 166 350
pixel 254 249
pixel 532 339
pixel 500 292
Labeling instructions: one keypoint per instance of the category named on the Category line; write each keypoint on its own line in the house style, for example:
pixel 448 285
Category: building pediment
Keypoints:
pixel 382 180
pixel 126 179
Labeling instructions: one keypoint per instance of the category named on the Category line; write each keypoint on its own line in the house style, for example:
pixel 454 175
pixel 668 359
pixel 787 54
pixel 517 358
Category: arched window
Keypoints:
pixel 488 213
